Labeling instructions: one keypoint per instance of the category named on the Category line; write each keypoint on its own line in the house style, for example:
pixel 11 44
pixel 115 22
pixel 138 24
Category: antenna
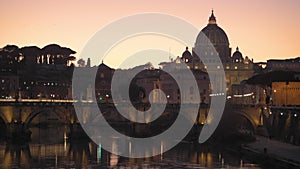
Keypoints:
pixel 170 59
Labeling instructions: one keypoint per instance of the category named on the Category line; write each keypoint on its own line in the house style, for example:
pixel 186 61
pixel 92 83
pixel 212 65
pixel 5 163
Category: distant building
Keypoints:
pixel 283 64
pixel 285 93
pixel 175 95
pixel 45 83
pixel 9 86
pixel 246 94
pixel 237 68
pixel 146 82
pixel 103 82
pixel 217 37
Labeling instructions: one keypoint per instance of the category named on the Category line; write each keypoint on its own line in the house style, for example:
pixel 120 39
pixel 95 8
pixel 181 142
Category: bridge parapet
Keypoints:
pixel 284 123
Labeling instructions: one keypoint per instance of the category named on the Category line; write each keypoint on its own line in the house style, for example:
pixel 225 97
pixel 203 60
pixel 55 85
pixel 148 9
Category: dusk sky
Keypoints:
pixel 261 29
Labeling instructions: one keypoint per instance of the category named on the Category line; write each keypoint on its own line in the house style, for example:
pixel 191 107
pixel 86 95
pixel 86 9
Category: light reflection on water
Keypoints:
pixel 49 148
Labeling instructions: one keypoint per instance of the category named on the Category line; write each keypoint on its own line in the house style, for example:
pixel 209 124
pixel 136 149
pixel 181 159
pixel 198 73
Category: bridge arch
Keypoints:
pixel 36 113
pixel 248 119
pixel 3 118
pixel 3 125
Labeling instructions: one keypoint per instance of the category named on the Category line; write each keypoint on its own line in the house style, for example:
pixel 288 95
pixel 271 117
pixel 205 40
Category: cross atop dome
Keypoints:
pixel 212 18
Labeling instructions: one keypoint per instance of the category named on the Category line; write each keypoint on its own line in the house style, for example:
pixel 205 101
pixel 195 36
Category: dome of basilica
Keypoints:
pixel 214 33
pixel 210 35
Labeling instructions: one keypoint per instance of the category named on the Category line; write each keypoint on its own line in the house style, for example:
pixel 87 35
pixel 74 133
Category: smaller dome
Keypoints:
pixel 237 56
pixel 186 55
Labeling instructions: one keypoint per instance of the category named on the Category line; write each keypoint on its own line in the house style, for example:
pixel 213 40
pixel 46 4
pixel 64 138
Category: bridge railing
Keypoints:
pixel 38 100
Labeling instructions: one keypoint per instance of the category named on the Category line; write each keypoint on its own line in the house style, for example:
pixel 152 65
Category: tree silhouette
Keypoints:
pixel 55 54
pixel 30 54
pixel 50 54
pixel 9 54
pixel 66 55
pixel 81 63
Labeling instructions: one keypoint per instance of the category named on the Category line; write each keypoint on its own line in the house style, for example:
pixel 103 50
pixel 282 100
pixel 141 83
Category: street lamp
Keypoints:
pixel 286 88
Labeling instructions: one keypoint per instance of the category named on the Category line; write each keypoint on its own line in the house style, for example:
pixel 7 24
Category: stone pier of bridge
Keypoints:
pixel 16 117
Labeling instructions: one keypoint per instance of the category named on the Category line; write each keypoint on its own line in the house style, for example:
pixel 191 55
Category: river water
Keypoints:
pixel 50 148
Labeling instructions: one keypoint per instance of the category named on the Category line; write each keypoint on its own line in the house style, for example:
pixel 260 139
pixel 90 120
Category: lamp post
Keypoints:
pixel 261 117
pixel 286 89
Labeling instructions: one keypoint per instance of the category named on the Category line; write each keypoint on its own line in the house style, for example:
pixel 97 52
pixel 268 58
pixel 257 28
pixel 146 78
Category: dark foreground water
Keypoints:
pixel 50 148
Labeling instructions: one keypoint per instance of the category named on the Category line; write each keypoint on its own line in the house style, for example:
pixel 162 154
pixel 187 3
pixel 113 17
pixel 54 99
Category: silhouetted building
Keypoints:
pixel 237 67
pixel 9 85
pixel 246 94
pixel 217 37
pixel 103 83
pixel 175 95
pixel 283 64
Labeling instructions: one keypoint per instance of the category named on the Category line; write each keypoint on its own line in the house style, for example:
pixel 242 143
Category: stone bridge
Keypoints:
pixel 17 117
pixel 248 117
pixel 279 122
pixel 259 119
pixel 25 111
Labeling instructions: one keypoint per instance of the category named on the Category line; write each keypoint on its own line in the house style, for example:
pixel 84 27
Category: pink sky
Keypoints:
pixel 262 29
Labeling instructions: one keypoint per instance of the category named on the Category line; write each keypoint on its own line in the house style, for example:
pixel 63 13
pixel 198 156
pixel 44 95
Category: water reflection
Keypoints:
pixel 61 153
pixel 79 153
pixel 16 156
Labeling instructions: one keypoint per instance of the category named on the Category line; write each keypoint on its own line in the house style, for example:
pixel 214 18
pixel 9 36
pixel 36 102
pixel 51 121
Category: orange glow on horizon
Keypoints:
pixel 262 29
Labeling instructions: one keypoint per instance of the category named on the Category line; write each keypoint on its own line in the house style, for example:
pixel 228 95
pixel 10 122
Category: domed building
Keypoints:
pixel 237 56
pixel 212 41
pixel 187 56
pixel 238 69
pixel 213 47
pixel 216 36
